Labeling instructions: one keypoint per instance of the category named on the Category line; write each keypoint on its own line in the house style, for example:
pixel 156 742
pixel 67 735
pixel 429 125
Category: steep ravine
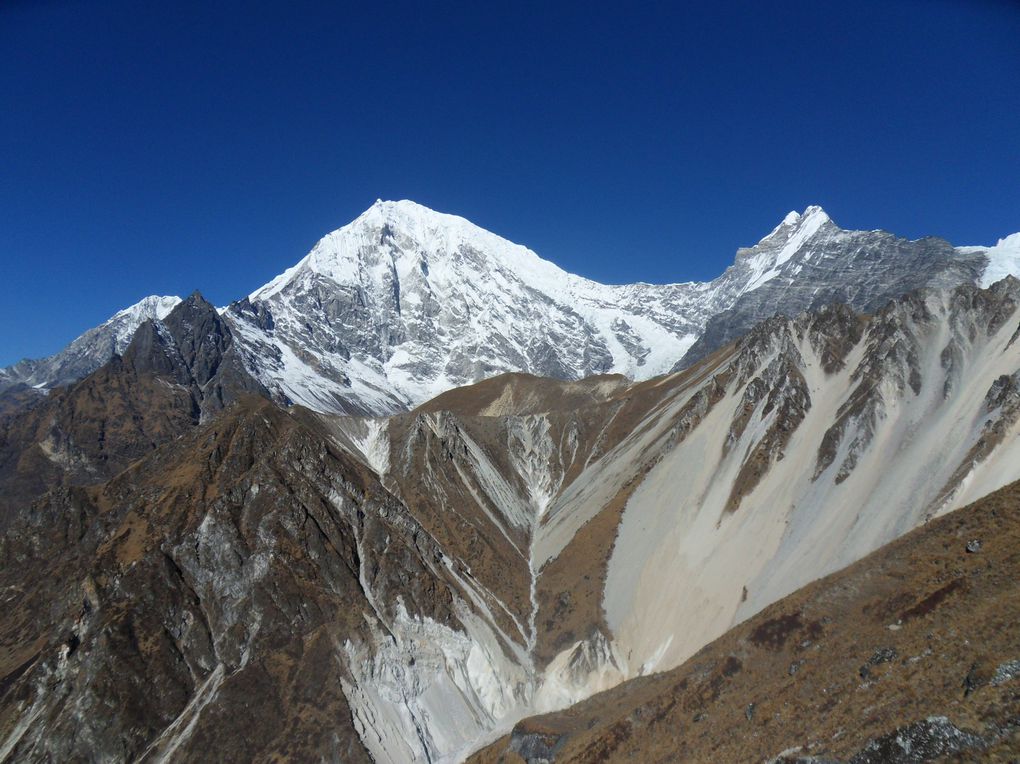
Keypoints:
pixel 906 656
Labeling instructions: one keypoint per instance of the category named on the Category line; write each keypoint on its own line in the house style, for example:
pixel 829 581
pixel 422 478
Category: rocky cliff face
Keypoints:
pixel 405 587
pixel 809 262
pixel 221 573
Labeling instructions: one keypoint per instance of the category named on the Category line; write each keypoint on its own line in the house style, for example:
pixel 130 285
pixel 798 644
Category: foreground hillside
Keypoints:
pixel 911 654
pixel 190 569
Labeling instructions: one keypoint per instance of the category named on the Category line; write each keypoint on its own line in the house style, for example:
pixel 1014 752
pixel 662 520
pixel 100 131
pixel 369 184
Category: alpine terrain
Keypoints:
pixel 404 303
pixel 424 485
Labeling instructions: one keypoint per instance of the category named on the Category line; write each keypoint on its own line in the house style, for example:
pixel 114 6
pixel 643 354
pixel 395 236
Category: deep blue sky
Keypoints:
pixel 162 147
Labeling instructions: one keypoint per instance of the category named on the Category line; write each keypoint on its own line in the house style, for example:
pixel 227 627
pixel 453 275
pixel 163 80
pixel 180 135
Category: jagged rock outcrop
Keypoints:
pixel 809 262
pixel 89 351
pixel 174 373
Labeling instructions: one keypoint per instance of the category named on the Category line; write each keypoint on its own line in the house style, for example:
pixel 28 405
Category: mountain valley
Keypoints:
pixel 424 485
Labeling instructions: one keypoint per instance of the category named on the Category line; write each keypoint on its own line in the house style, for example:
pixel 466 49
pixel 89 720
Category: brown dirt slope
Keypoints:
pixel 195 607
pixel 170 378
pixel 518 394
pixel 911 654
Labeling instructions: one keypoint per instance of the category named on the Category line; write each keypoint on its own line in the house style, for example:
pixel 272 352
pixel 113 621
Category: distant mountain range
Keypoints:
pixel 404 303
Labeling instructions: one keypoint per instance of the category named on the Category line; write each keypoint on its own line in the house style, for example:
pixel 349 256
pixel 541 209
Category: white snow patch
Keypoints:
pixel 1003 259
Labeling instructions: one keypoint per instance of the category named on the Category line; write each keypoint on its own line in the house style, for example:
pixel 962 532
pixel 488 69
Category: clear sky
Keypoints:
pixel 162 147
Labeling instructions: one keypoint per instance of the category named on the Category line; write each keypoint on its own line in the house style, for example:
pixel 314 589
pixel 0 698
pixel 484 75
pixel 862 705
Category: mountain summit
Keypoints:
pixel 404 303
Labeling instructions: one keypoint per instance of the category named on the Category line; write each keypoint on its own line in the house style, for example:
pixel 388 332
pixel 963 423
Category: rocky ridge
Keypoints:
pixel 175 373
pixel 89 351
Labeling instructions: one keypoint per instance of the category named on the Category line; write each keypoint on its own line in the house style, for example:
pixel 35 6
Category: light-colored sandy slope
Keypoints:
pixel 683 570
pixel 677 506
pixel 889 659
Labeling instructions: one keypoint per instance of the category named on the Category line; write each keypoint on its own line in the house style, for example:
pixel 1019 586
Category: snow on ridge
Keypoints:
pixel 1003 259
pixel 153 306
pixel 430 301
pixel 91 349
pixel 124 323
pixel 450 290
pixel 335 255
pixel 765 265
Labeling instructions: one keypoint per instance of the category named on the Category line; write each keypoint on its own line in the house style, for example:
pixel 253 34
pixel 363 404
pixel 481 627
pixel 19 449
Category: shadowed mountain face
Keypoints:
pixel 910 655
pixel 296 584
pixel 173 374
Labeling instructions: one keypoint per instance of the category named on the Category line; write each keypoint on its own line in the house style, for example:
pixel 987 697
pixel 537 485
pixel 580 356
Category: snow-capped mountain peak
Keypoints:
pixel 413 236
pixel 153 306
pixel 89 351
pixel 810 220
pixel 418 301
pixel 404 302
pixel 786 240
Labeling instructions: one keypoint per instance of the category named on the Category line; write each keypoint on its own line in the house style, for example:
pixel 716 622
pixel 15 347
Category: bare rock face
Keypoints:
pixel 812 263
pixel 179 603
pixel 195 348
pixel 920 741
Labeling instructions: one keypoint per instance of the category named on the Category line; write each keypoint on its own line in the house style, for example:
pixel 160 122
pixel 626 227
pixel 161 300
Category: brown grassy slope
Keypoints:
pixel 918 629
pixel 518 394
pixel 230 557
